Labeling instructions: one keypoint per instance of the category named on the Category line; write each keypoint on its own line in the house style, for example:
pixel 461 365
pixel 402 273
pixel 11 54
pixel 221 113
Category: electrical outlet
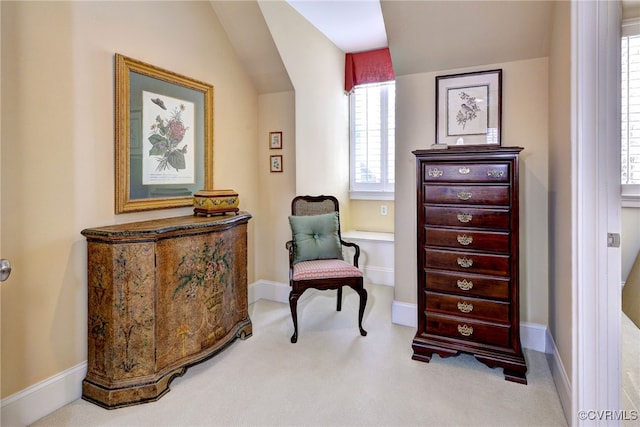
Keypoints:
pixel 383 209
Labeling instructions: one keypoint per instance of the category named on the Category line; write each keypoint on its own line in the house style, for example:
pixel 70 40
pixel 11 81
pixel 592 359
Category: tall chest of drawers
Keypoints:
pixel 468 238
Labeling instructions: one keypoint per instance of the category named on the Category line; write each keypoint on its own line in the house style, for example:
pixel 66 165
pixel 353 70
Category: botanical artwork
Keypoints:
pixel 169 142
pixel 467 110
pixel 276 163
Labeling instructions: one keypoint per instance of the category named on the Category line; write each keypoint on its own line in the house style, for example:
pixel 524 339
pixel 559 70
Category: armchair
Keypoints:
pixel 315 255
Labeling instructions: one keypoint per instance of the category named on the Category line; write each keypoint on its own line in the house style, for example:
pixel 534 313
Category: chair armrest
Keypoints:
pixel 290 247
pixel 357 249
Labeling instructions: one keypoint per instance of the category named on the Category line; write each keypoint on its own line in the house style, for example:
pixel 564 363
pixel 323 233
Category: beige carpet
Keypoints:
pixel 630 368
pixel 335 377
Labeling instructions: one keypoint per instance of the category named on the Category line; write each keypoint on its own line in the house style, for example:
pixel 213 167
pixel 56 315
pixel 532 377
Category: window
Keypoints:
pixel 372 141
pixel 630 114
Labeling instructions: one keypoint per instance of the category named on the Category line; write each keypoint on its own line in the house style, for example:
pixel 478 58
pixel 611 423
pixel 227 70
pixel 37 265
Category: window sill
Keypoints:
pixel 371 195
pixel 630 201
pixel 630 195
pixel 374 236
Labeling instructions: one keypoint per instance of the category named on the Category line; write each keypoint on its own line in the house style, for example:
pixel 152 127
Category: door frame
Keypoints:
pixel 596 331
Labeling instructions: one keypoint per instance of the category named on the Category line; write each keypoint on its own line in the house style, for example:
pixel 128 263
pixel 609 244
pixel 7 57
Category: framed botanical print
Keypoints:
pixel 469 108
pixel 275 140
pixel 275 163
pixel 164 137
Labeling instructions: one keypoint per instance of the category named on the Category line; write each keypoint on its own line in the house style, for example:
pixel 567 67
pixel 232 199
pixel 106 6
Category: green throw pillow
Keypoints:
pixel 316 237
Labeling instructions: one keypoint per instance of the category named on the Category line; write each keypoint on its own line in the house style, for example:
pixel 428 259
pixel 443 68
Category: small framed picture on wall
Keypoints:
pixel 276 163
pixel 275 140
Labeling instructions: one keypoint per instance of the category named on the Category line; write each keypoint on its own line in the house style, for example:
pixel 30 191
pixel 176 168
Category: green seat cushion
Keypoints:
pixel 316 237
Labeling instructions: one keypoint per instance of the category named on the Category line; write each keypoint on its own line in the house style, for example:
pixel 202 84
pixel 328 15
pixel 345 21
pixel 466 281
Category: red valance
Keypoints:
pixel 373 66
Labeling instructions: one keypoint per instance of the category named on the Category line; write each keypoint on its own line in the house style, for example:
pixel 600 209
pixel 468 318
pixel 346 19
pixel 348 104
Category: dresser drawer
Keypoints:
pixel 467 194
pixel 465 172
pixel 466 216
pixel 491 241
pixel 495 265
pixel 468 284
pixel 474 308
pixel 467 329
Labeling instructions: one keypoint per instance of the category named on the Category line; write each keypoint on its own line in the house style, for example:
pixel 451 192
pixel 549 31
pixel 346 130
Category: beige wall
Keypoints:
pixel 525 124
pixel 57 153
pixel 560 189
pixel 630 239
pixel 366 216
pixel 277 113
pixel 316 69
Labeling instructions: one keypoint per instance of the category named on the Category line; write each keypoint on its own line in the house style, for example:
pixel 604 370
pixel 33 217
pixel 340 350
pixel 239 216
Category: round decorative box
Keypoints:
pixel 214 202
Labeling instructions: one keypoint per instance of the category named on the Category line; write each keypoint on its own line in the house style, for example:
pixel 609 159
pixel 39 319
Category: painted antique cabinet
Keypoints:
pixel 468 263
pixel 163 295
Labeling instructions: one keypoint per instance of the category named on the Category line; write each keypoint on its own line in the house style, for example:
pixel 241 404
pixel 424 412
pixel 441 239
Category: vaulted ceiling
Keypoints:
pixel 423 36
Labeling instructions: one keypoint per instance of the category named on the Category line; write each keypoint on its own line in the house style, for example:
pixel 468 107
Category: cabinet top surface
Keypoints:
pixel 157 228
pixel 468 150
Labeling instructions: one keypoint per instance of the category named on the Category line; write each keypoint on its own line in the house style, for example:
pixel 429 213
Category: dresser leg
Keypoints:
pixel 516 377
pixel 245 331
pixel 423 351
pixel 514 368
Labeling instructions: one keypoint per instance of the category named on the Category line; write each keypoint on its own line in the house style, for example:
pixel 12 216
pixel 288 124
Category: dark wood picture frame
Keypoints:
pixel 275 140
pixel 275 163
pixel 469 108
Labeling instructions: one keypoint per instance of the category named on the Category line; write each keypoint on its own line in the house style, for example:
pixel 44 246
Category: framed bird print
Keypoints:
pixel 164 137
pixel 469 108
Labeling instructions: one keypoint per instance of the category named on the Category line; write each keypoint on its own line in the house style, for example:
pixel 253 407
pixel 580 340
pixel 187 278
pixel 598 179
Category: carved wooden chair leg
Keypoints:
pixel 293 304
pixel 363 302
pixel 339 304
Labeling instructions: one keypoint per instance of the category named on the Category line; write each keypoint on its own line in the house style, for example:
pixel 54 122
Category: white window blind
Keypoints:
pixel 630 113
pixel 372 141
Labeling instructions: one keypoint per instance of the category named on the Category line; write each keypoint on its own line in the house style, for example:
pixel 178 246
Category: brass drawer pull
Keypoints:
pixel 465 217
pixel 465 330
pixel 495 173
pixel 465 285
pixel 465 262
pixel 464 170
pixel 464 195
pixel 465 307
pixel 465 240
pixel 435 173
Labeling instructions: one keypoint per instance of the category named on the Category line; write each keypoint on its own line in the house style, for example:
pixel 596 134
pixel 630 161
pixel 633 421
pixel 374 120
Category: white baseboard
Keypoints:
pixel 532 335
pixel 378 276
pixel 405 314
pixel 272 291
pixel 560 378
pixel 41 399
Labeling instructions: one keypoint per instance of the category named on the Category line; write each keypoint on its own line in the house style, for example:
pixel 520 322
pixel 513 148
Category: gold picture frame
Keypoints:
pixel 163 137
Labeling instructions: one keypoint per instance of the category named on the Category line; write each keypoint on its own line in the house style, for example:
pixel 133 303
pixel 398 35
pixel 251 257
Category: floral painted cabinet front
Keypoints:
pixel 163 295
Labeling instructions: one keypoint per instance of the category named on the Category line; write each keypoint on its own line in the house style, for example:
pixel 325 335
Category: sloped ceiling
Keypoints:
pixel 429 36
pixel 250 37
pixel 630 9
pixel 423 36
pixel 353 26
